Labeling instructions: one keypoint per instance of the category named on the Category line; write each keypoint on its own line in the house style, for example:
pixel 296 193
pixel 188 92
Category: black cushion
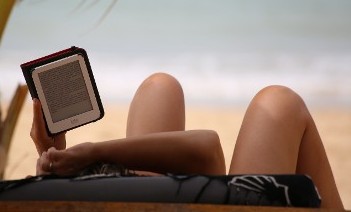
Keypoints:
pixel 267 190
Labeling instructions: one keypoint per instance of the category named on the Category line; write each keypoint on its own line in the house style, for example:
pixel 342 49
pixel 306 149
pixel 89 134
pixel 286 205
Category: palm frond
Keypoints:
pixel 108 10
pixel 5 11
pixel 79 5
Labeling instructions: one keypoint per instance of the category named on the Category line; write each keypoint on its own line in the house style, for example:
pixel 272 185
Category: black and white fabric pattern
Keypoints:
pixel 264 186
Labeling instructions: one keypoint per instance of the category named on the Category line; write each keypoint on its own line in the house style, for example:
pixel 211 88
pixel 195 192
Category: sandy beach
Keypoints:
pixel 334 126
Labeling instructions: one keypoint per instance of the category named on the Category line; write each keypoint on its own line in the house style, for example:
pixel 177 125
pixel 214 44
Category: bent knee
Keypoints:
pixel 162 78
pixel 278 95
pixel 276 90
pixel 280 100
pixel 162 81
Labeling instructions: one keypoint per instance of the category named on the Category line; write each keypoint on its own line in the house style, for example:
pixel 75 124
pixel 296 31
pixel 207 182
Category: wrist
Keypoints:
pixel 43 145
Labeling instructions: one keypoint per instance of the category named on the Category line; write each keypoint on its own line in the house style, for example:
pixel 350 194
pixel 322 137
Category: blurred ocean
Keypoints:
pixel 221 51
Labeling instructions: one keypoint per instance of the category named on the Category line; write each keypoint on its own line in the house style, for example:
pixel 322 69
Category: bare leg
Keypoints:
pixel 158 106
pixel 278 136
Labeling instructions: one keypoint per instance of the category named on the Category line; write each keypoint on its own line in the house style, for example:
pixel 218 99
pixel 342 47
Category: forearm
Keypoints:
pixel 197 151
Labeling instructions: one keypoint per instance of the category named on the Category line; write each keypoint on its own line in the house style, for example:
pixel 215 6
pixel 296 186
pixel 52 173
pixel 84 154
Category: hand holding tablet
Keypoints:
pixel 65 85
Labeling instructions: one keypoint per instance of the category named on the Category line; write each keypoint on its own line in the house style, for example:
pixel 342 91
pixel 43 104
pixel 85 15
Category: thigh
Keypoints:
pixel 158 106
pixel 278 136
pixel 271 132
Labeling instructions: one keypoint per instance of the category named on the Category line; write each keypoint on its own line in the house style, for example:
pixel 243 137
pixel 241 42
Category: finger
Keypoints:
pixel 36 108
pixel 38 168
pixel 38 120
pixel 46 163
pixel 57 159
pixel 61 165
pixel 53 155
pixel 42 165
pixel 32 131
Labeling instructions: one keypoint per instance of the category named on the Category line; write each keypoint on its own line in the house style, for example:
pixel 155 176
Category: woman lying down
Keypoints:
pixel 277 136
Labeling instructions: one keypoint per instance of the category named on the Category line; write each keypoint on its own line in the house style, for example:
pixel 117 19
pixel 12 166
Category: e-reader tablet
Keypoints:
pixel 65 85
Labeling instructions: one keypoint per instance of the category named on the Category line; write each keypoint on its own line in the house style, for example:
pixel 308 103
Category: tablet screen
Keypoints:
pixel 65 91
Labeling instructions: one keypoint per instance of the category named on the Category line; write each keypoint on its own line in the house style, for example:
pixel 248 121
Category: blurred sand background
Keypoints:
pixel 334 126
